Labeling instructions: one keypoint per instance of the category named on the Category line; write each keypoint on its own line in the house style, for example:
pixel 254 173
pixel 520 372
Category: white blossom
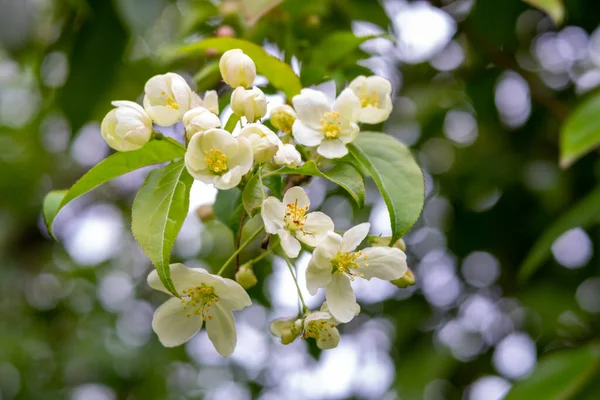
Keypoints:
pixel 334 264
pixel 127 127
pixel 198 120
pixel 217 157
pixel 374 93
pixel 249 103
pixel 167 98
pixel 263 140
pixel 288 156
pixel 328 126
pixel 237 69
pixel 205 298
pixel 289 219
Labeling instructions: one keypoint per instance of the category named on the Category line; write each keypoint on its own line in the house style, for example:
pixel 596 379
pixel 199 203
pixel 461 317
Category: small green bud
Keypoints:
pixel 408 279
pixel 245 276
pixel 286 329
pixel 385 241
pixel 205 213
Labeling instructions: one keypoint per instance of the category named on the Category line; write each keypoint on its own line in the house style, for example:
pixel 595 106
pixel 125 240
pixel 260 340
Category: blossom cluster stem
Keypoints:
pixel 240 249
pixel 291 268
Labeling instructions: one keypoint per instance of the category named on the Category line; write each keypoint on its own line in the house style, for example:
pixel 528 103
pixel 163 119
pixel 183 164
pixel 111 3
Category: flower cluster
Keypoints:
pixel 313 128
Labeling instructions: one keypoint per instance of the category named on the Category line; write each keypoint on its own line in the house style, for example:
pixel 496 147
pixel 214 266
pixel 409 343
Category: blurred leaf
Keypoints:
pixel 580 133
pixel 554 8
pixel 228 208
pixel 159 209
pixel 585 212
pixel 343 174
pixel 208 76
pixel 336 47
pixel 276 71
pixel 560 375
pixel 156 151
pixel 253 194
pixel 397 175
pixel 253 10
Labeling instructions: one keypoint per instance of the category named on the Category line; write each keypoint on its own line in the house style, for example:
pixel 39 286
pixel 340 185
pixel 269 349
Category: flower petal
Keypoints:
pixel 349 133
pixel 372 115
pixel 296 195
pixel 315 229
pixel 317 278
pixel 348 105
pixel 327 250
pixel 332 148
pixel 230 179
pixel 163 116
pixel 221 329
pixel 289 244
pixel 171 324
pixel 340 298
pixel 311 105
pixel 183 278
pixel 235 297
pixel 354 236
pixel 272 212
pixel 328 338
pixel 387 263
pixel 306 135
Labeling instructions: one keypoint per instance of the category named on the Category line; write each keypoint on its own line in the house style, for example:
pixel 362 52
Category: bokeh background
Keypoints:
pixel 481 88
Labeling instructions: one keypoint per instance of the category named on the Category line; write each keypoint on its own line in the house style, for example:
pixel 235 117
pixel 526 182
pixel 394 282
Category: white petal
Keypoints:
pixel 327 250
pixel 317 316
pixel 348 105
pixel 349 133
pixel 296 195
pixel 316 227
pixel 221 329
pixel 235 297
pixel 354 236
pixel 131 104
pixel 211 101
pixel 306 135
pixel 357 84
pixel 317 278
pixel 372 115
pixel 163 116
pixel 379 85
pixel 332 148
pixel 230 179
pixel 289 244
pixel 387 263
pixel 340 298
pixel 183 278
pixel 272 212
pixel 311 105
pixel 329 338
pixel 171 324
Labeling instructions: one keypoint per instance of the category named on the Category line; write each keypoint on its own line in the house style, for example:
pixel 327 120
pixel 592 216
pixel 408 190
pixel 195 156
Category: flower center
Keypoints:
pixel 369 99
pixel 345 263
pixel 170 102
pixel 198 300
pixel 314 328
pixel 216 161
pixel 295 216
pixel 331 125
pixel 283 121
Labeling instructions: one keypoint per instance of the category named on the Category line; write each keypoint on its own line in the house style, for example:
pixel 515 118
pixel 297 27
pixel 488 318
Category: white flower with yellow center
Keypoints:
pixel 217 157
pixel 292 223
pixel 321 326
pixel 167 98
pixel 283 117
pixel 127 127
pixel 263 140
pixel 205 298
pixel 237 69
pixel 199 120
pixel 374 93
pixel 249 103
pixel 288 156
pixel 329 126
pixel 334 264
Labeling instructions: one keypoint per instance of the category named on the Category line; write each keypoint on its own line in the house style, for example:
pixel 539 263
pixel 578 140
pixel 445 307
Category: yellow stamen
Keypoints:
pixel 198 301
pixel 346 264
pixel 331 124
pixel 172 103
pixel 369 99
pixel 216 161
pixel 295 217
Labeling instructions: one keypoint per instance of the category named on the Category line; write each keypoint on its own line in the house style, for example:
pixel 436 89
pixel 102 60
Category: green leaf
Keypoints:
pixel 397 175
pixel 276 71
pixel 343 174
pixel 253 195
pixel 582 214
pixel 554 8
pixel 336 47
pixel 560 376
pixel 253 10
pixel 580 133
pixel 159 209
pixel 228 209
pixel 156 151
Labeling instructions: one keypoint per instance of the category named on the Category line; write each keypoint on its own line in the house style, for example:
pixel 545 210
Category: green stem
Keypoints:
pixel 231 122
pixel 291 268
pixel 271 173
pixel 239 249
pixel 261 256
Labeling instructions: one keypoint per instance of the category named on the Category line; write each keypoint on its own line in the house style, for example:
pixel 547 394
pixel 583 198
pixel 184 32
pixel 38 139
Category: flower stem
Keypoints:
pixel 239 249
pixel 231 122
pixel 290 267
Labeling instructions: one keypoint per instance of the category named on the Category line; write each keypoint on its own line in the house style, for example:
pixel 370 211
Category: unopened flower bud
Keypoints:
pixel 245 276
pixel 286 329
pixel 263 140
pixel 205 213
pixel 127 127
pixel 250 103
pixel 198 120
pixel 288 156
pixel 283 117
pixel 237 69
pixel 408 279
pixel 385 241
